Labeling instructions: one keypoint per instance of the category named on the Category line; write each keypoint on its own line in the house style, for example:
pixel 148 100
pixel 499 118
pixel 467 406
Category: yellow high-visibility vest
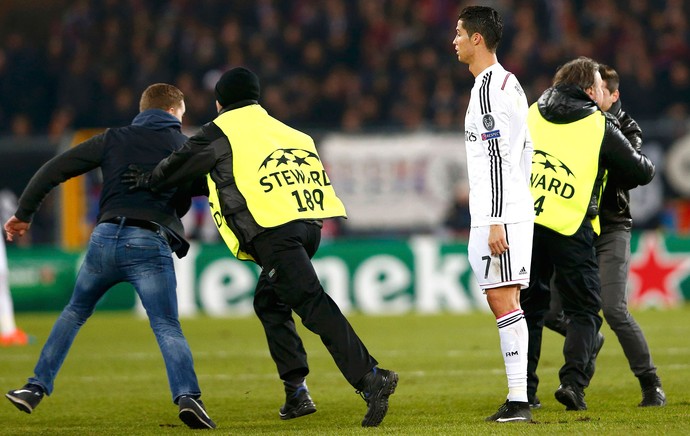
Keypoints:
pixel 564 169
pixel 277 170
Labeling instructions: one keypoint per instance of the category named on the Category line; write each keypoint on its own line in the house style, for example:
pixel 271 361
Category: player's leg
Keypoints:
pixel 9 333
pixel 501 277
pixel 513 335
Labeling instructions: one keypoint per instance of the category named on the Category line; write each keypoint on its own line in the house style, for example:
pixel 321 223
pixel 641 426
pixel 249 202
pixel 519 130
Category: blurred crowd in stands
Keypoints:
pixel 348 65
pixel 326 65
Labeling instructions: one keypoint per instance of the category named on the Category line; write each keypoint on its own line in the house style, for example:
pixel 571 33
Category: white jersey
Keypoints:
pixel 499 150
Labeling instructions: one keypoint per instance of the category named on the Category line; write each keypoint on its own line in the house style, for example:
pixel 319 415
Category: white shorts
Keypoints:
pixel 509 268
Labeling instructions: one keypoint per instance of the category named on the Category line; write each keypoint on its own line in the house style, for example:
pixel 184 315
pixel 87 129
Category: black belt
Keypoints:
pixel 131 222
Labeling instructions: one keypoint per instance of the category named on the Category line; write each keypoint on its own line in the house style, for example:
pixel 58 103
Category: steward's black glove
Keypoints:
pixel 136 178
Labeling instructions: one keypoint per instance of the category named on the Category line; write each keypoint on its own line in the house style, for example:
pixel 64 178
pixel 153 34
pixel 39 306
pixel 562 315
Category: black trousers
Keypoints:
pixel 572 262
pixel 613 255
pixel 287 283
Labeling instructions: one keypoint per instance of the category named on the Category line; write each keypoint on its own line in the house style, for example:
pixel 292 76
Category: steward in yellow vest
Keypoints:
pixel 276 169
pixel 268 192
pixel 573 142
pixel 565 165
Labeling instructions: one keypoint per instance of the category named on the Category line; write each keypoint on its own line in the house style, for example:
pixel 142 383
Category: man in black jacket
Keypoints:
pixel 613 255
pixel 132 242
pixel 268 193
pixel 573 141
pixel 613 251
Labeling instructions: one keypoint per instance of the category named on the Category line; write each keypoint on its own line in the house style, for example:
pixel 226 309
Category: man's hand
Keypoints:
pixel 137 178
pixel 497 239
pixel 15 226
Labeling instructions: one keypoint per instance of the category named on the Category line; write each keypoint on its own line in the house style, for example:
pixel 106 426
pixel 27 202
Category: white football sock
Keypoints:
pixel 7 325
pixel 512 331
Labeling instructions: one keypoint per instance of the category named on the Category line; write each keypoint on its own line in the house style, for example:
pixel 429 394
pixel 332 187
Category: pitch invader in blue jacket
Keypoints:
pixel 133 242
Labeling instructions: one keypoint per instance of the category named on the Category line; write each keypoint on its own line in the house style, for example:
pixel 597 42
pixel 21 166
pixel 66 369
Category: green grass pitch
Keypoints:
pixel 451 378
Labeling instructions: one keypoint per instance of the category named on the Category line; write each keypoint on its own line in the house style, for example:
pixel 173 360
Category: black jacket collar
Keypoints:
pixel 564 104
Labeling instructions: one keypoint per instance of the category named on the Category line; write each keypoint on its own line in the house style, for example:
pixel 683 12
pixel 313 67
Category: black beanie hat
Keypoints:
pixel 236 85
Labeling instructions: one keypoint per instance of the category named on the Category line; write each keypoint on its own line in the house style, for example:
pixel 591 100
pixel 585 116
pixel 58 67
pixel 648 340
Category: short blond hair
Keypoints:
pixel 161 96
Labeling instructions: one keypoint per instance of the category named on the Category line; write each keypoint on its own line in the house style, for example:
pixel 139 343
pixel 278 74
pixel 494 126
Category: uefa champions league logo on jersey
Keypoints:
pixel 488 122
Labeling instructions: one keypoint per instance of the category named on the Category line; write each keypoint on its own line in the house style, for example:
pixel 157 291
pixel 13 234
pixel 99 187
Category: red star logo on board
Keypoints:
pixel 655 275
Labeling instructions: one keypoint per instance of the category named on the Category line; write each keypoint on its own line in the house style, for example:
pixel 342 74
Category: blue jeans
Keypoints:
pixel 142 258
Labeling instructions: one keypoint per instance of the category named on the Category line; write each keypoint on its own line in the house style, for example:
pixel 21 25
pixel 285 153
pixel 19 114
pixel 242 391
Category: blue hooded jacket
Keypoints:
pixel 151 137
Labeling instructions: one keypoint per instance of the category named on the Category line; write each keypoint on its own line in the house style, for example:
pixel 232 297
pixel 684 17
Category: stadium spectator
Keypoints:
pixel 383 44
pixel 133 242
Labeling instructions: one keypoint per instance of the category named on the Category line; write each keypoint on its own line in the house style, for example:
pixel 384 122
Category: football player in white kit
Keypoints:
pixel 10 334
pixel 499 160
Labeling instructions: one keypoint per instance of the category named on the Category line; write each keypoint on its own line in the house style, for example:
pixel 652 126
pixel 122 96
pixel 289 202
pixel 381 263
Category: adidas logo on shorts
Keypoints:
pixel 523 270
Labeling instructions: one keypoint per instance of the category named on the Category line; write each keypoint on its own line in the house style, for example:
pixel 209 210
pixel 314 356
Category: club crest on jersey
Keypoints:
pixel 491 135
pixel 488 121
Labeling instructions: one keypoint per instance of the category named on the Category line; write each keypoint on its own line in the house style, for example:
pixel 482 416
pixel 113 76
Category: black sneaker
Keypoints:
pixel 378 385
pixel 297 403
pixel 591 365
pixel 534 402
pixel 572 397
pixel 653 396
pixel 193 413
pixel 27 398
pixel 512 411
